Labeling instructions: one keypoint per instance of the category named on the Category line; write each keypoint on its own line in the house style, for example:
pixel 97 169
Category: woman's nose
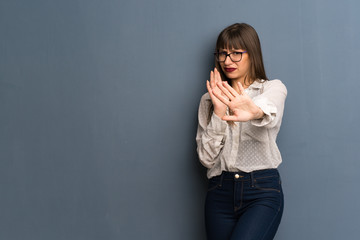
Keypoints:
pixel 228 60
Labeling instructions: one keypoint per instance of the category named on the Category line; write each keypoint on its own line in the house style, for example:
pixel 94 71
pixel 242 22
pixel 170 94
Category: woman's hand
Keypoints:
pixel 241 105
pixel 219 107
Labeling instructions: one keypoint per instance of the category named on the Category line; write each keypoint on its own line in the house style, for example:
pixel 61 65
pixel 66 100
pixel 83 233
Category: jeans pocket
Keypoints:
pixel 214 183
pixel 268 183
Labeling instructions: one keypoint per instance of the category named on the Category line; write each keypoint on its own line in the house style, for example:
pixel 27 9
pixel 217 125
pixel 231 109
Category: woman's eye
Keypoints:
pixel 237 53
pixel 222 53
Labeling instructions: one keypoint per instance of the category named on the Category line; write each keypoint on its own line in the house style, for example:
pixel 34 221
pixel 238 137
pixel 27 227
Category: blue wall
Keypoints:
pixel 98 113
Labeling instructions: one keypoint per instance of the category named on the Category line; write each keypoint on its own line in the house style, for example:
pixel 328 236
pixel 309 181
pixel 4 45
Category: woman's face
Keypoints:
pixel 235 71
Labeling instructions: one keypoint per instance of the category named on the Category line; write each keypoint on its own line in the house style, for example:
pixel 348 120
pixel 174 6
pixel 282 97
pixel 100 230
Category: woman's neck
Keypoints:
pixel 244 82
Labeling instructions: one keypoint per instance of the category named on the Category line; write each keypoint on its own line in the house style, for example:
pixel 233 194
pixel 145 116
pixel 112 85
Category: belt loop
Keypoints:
pixel 252 178
pixel 221 178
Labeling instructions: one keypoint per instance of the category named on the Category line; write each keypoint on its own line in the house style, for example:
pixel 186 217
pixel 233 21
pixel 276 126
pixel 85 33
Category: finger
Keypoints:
pixel 209 87
pixel 225 91
pixel 212 80
pixel 217 75
pixel 241 88
pixel 230 89
pixel 229 118
pixel 221 98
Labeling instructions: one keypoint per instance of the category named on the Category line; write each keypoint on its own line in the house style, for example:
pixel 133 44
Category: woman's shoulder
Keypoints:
pixel 205 102
pixel 205 96
pixel 275 83
pixel 205 99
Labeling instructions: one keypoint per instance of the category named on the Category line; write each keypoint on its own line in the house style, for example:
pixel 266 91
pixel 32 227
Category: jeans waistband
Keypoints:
pixel 245 176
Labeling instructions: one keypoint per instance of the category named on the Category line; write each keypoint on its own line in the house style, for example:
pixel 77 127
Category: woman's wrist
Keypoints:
pixel 259 113
pixel 220 113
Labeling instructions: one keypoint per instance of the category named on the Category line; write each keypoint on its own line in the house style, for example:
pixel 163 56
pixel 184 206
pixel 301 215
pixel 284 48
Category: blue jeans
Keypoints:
pixel 244 206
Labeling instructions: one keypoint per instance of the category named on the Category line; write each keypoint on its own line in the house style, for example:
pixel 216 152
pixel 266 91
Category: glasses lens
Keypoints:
pixel 221 56
pixel 236 56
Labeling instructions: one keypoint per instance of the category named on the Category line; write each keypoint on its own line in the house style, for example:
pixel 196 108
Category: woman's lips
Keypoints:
pixel 229 69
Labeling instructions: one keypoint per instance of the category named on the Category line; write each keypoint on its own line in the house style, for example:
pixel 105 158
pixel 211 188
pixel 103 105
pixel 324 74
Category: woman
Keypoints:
pixel 239 119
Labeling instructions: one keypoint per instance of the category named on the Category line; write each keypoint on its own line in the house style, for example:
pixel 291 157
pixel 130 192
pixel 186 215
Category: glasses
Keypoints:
pixel 234 56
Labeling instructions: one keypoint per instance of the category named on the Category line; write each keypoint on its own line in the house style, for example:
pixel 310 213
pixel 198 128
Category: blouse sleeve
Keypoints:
pixel 210 137
pixel 271 101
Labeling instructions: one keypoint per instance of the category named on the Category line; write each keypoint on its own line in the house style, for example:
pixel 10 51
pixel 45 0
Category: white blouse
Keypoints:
pixel 242 146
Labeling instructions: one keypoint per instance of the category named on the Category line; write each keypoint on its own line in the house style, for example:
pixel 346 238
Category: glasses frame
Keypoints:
pixel 216 54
